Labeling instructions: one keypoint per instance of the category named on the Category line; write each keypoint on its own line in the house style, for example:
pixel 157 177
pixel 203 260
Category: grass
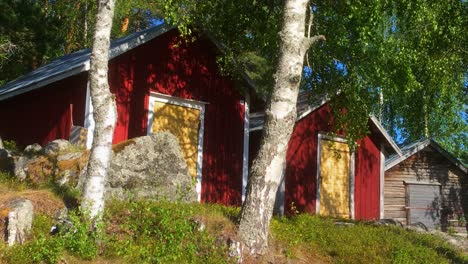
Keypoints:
pixel 162 232
pixel 362 243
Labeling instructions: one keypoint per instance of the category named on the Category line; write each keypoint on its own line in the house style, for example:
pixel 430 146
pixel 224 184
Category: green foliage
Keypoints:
pixel 80 238
pixel 363 243
pixel 162 232
pixel 10 145
pixel 11 182
pixel 159 232
pixel 30 36
pixel 40 250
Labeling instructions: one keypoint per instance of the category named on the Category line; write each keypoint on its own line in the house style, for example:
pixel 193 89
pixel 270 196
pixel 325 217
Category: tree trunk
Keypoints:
pixel 280 116
pixel 105 113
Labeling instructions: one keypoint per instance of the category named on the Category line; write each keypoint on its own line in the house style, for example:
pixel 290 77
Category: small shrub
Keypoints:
pixel 79 238
pixel 10 145
pixel 158 232
pixel 39 250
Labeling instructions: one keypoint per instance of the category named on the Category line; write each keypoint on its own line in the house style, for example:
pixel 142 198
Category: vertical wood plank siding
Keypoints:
pixel 170 66
pixel 367 179
pixel 301 167
pixel 43 115
pixel 428 165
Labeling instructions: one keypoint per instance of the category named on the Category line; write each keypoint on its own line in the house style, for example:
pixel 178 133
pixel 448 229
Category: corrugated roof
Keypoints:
pixel 75 63
pixel 414 147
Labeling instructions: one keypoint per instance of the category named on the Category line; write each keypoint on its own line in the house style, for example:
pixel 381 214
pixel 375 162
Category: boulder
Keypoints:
pixel 20 219
pixel 33 149
pixel 150 166
pixel 20 167
pixel 56 147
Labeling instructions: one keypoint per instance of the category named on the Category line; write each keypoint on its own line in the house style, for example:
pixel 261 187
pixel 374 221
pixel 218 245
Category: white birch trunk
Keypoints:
pixel 266 171
pixel 105 113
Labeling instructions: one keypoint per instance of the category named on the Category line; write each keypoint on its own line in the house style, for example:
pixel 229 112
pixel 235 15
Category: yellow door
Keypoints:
pixel 183 123
pixel 334 178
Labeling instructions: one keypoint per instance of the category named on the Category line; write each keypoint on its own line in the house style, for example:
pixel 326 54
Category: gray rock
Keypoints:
pixel 20 167
pixel 388 222
pixel 65 177
pixel 20 220
pixel 150 166
pixel 1 143
pixel 69 156
pixel 343 224
pixel 33 149
pixel 418 227
pixel 56 147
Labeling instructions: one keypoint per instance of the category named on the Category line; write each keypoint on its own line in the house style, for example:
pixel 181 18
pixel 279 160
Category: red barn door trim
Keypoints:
pixel 323 136
pixel 163 98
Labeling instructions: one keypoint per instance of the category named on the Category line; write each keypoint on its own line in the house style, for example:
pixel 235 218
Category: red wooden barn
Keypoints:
pixel 322 175
pixel 160 82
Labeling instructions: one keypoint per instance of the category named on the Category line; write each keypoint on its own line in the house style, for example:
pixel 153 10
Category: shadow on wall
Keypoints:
pixel 430 166
pixel 334 204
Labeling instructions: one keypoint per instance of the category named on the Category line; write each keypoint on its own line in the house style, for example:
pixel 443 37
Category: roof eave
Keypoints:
pixel 422 145
pixel 390 142
pixel 115 51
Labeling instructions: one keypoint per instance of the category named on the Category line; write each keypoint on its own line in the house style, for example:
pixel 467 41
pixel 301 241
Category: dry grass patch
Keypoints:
pixel 44 202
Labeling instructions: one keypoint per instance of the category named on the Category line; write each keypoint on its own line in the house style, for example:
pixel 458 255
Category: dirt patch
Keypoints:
pixel 44 202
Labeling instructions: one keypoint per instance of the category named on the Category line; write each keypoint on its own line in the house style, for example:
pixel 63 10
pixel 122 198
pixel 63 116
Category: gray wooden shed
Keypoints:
pixel 426 184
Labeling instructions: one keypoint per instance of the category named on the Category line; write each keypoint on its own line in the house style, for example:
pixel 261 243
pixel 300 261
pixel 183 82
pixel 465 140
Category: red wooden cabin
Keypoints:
pixel 322 175
pixel 153 74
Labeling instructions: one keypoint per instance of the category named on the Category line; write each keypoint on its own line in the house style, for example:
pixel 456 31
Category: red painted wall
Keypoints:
pixel 367 179
pixel 170 66
pixel 301 158
pixel 46 114
pixel 166 65
pixel 301 168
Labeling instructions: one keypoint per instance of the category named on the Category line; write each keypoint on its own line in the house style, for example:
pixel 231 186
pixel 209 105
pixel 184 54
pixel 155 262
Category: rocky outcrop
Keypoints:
pixel 56 147
pixel 150 166
pixel 33 149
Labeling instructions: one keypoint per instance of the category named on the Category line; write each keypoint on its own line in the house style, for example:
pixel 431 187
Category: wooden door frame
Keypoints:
pixel 167 99
pixel 324 136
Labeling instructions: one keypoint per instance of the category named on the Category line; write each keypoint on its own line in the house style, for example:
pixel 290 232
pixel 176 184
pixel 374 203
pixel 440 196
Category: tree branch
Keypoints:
pixel 308 42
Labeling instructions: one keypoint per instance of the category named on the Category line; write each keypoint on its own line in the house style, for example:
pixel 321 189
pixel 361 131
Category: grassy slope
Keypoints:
pixel 161 232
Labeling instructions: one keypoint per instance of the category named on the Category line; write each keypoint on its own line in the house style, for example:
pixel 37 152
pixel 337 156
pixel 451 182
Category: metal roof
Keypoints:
pixel 75 63
pixel 307 102
pixel 413 148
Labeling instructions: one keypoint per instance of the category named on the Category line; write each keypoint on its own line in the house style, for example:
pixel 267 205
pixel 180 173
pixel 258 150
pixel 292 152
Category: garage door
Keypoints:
pixel 423 204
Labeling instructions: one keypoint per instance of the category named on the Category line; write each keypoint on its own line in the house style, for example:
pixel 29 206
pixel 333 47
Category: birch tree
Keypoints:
pixel 105 112
pixel 280 116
